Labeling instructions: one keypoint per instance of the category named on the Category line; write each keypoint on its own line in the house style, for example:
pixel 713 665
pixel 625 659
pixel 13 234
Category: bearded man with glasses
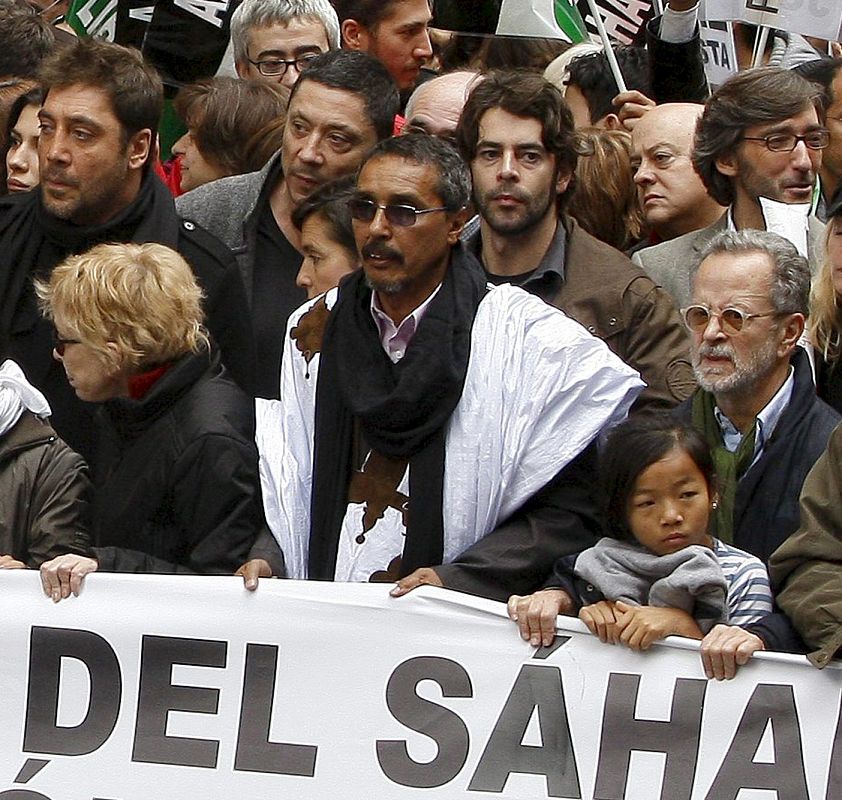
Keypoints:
pixel 433 429
pixel 760 137
pixel 756 404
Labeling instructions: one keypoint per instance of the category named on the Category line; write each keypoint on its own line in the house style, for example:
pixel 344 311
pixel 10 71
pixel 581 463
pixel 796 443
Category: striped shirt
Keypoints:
pixel 749 593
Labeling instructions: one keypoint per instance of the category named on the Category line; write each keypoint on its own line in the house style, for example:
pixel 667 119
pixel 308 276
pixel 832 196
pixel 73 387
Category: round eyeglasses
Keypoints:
pixel 732 320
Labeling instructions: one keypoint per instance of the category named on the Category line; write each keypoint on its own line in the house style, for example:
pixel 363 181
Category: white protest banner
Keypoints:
pixel 822 18
pixel 622 18
pixel 188 688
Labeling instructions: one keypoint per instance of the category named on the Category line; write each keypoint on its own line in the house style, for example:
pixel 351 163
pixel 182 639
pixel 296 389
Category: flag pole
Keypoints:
pixel 760 46
pixel 606 43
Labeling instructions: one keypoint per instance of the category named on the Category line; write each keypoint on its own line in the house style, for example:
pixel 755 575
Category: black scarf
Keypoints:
pixel 35 241
pixel 402 409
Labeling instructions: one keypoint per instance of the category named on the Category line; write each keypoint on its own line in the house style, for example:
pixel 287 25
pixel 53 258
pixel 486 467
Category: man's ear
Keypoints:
pixel 792 330
pixel 727 164
pixel 456 225
pixel 611 122
pixel 139 148
pixel 242 69
pixel 354 35
pixel 563 180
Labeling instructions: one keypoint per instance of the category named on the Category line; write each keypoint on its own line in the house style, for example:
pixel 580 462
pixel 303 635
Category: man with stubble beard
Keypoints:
pixel 517 134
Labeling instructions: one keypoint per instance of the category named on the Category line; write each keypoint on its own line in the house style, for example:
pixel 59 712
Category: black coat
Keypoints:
pixel 32 243
pixel 766 505
pixel 766 509
pixel 176 485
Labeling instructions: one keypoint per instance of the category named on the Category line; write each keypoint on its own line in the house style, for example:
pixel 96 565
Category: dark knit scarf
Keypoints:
pixel 36 241
pixel 402 409
pixel 730 467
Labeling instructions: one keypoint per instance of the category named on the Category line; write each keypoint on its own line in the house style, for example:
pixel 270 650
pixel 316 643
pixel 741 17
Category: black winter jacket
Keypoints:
pixel 176 484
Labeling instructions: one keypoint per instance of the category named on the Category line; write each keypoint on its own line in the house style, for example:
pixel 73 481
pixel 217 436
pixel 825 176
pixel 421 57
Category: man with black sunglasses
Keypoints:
pixel 433 429
pixel 756 404
pixel 759 139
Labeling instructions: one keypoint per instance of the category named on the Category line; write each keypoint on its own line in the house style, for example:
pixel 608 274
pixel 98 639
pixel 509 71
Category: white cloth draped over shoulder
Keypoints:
pixel 539 388
pixel 17 395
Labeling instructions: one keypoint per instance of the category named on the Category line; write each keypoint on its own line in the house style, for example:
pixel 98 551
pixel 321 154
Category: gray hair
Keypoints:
pixel 454 178
pixel 790 291
pixel 264 13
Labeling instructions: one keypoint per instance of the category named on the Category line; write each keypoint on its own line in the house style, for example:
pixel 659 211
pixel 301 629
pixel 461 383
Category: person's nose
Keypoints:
pixel 508 166
pixel 310 151
pixel 423 47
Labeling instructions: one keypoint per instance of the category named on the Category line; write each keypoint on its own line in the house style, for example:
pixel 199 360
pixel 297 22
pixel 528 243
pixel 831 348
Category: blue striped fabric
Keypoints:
pixel 749 593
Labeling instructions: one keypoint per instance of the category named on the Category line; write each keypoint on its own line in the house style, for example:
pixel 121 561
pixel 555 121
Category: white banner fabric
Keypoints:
pixel 191 688
pixel 821 18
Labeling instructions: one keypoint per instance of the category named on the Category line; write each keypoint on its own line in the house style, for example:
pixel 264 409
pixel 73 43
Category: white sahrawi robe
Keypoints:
pixel 538 390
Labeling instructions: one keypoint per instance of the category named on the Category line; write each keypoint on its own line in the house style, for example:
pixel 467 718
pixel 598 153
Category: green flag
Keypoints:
pixel 570 21
pixel 554 19
pixel 93 17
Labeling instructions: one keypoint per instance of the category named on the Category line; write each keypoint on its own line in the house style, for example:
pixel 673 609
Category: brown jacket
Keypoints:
pixel 45 494
pixel 616 301
pixel 806 569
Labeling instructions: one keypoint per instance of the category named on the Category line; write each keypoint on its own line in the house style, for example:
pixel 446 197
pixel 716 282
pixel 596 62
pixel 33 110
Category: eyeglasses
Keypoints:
pixel 397 214
pixel 732 320
pixel 787 142
pixel 59 344
pixel 277 67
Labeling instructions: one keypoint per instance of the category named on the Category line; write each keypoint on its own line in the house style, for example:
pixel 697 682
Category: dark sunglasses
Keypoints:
pixel 397 214
pixel 59 344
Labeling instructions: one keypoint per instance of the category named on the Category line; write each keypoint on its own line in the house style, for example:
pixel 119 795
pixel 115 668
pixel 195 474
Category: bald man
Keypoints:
pixel 671 193
pixel 435 106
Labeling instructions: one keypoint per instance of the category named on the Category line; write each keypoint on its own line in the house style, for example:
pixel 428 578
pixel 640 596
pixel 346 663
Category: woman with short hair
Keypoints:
pixel 233 127
pixel 176 486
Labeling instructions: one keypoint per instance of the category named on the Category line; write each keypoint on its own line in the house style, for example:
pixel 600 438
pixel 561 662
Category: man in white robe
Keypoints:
pixel 432 429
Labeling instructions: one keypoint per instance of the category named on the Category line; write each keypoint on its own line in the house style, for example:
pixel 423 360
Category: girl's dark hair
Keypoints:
pixel 635 445
pixel 34 97
pixel 331 201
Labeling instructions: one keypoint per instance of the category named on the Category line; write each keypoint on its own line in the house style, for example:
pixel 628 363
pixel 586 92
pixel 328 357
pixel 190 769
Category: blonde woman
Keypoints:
pixel 825 322
pixel 176 487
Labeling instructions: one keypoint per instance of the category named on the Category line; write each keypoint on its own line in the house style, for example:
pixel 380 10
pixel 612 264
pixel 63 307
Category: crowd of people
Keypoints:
pixel 429 308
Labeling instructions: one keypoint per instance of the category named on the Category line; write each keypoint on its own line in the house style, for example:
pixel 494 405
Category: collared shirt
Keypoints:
pixel 545 280
pixel 767 420
pixel 396 338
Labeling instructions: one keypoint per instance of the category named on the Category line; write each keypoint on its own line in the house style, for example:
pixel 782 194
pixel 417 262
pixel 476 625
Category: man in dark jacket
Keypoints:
pixel 98 127
pixel 756 405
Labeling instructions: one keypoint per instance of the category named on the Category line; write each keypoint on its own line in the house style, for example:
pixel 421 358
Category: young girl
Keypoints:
pixel 659 572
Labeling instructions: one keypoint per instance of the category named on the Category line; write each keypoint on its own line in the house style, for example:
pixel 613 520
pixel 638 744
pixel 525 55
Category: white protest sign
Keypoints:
pixel 718 51
pixel 187 688
pixel 822 18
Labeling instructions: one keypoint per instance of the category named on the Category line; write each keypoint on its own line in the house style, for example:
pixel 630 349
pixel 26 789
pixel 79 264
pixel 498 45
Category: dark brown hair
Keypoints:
pixel 225 114
pixel 753 97
pixel 523 94
pixel 132 85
